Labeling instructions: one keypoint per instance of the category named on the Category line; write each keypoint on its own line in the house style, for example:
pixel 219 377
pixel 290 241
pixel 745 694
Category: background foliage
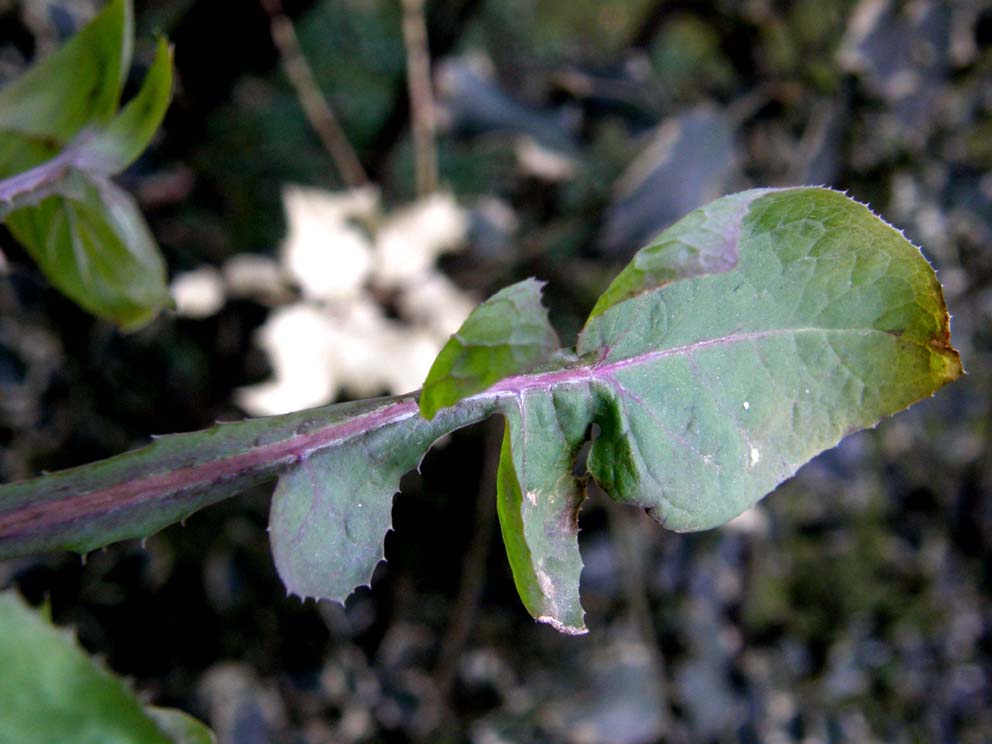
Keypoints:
pixel 852 605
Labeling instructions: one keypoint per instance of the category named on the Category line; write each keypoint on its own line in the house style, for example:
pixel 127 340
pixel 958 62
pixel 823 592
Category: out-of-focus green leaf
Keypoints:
pixel 38 172
pixel 93 244
pixel 180 727
pixel 116 146
pixel 20 153
pixel 43 130
pixel 77 85
pixel 507 334
pixel 52 693
pixel 59 143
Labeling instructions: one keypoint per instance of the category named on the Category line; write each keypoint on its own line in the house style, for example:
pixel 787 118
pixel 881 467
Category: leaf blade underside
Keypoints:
pixel 330 514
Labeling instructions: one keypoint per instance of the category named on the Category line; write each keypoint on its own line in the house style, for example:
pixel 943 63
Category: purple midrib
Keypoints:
pixel 603 371
pixel 54 513
pixel 130 493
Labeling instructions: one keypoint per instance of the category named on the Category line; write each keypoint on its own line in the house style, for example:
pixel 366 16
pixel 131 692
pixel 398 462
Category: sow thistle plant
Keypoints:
pixel 751 335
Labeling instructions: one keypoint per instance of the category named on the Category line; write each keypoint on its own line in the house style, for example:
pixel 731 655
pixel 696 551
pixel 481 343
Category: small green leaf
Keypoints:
pixel 20 153
pixel 538 501
pixel 507 334
pixel 114 147
pixel 59 141
pixel 50 691
pixel 38 172
pixel 93 244
pixel 77 85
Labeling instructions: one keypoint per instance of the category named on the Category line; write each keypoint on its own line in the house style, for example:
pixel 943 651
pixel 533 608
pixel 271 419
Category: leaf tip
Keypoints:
pixel 573 630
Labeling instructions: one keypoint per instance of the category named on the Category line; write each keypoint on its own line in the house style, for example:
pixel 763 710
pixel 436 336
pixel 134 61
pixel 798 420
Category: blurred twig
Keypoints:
pixel 473 572
pixel 418 77
pixel 318 111
pixel 448 22
pixel 627 538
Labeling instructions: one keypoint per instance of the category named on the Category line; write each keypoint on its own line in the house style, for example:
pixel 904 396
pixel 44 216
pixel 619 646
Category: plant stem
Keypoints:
pixel 33 185
pixel 418 76
pixel 140 492
pixel 315 106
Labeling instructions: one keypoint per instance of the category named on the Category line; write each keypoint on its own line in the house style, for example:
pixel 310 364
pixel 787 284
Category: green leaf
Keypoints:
pixel 77 85
pixel 103 151
pixel 94 246
pixel 19 153
pixel 43 132
pixel 507 334
pixel 180 727
pixel 716 389
pixel 59 141
pixel 114 147
pixel 538 501
pixel 330 514
pixel 50 691
pixel 785 320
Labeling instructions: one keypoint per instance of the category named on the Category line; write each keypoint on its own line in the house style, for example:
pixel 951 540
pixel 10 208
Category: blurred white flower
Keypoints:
pixel 410 241
pixel 253 275
pixel 373 353
pixel 333 335
pixel 435 303
pixel 198 293
pixel 299 348
pixel 338 336
pixel 325 252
